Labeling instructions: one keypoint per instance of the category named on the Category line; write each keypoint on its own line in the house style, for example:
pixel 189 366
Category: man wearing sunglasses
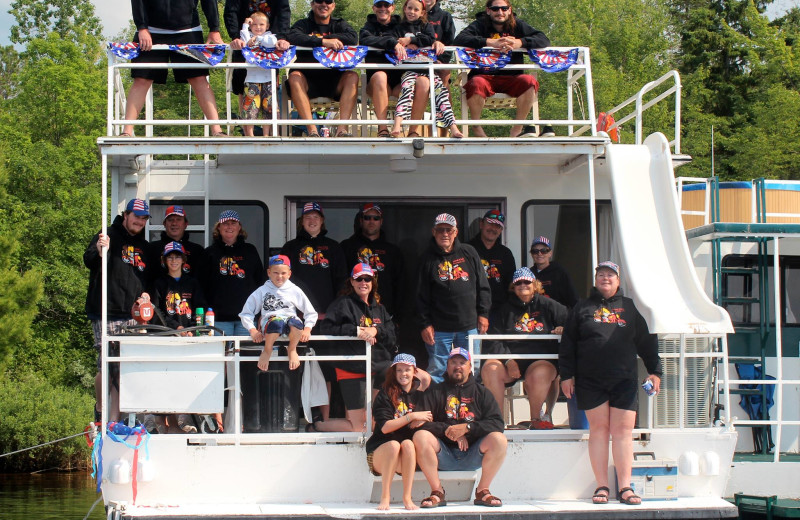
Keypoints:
pixel 368 245
pixel 500 29
pixel 555 281
pixel 320 29
pixel 498 260
pixel 453 295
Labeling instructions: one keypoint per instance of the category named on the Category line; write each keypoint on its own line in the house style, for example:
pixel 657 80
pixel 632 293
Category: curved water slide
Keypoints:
pixel 652 242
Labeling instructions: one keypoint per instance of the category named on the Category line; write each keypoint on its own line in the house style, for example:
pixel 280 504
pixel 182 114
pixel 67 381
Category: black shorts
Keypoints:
pixel 393 76
pixel 353 393
pixel 591 392
pixel 159 76
pixel 524 364
pixel 237 81
pixel 321 83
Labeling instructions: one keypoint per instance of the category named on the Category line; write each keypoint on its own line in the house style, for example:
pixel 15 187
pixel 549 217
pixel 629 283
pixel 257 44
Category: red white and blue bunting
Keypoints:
pixel 347 58
pixel 209 54
pixel 126 51
pixel 552 60
pixel 269 58
pixel 483 59
pixel 413 56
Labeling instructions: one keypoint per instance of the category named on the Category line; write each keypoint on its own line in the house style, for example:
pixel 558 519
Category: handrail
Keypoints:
pixel 115 97
pixel 706 211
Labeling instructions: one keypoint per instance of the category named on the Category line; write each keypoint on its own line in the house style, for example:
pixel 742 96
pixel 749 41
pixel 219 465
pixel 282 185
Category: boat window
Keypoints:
pixel 254 215
pixel 567 225
pixel 746 284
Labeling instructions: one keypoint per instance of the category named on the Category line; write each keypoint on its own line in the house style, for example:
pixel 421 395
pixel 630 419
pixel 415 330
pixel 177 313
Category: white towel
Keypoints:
pixel 313 391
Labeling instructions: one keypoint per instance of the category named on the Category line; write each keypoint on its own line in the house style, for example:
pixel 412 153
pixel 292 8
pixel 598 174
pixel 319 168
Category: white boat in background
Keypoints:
pixel 595 198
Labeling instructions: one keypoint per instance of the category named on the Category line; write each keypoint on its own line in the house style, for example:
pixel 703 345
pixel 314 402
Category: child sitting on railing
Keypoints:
pixel 257 99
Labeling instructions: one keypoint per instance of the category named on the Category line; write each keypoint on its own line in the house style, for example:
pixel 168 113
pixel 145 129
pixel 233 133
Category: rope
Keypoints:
pixel 40 445
pixel 92 508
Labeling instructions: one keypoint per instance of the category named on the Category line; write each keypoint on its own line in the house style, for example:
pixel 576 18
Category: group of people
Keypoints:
pixel 442 418
pixel 265 23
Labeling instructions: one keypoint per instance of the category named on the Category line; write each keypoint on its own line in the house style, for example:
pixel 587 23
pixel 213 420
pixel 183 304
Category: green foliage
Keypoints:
pixel 71 20
pixel 35 411
pixel 10 66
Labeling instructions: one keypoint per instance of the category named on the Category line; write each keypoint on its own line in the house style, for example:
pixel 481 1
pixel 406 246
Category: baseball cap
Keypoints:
pixel 460 352
pixel 280 260
pixel 173 247
pixel 308 207
pixel 362 270
pixel 493 216
pixel 139 207
pixel 227 215
pixel 445 218
pixel 390 2
pixel 371 206
pixel 174 210
pixel 408 359
pixel 523 273
pixel 609 265
pixel 541 240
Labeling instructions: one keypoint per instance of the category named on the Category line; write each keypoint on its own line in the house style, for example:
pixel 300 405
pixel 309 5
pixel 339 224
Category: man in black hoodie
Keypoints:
pixel 500 29
pixel 498 260
pixel 466 432
pixel 175 224
pixel 127 269
pixel 453 296
pixel 320 29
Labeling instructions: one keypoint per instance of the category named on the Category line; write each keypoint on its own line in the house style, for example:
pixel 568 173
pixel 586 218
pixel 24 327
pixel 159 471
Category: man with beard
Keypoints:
pixel 466 432
pixel 498 260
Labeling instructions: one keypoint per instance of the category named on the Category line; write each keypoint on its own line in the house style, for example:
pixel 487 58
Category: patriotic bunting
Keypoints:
pixel 484 59
pixel 344 59
pixel 552 60
pixel 126 51
pixel 269 58
pixel 209 54
pixel 413 56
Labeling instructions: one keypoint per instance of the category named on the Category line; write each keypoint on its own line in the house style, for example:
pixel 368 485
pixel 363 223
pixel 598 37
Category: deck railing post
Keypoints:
pixel 776 275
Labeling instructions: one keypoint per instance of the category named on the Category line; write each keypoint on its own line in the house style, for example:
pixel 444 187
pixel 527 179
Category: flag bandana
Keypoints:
pixel 344 59
pixel 413 56
pixel 484 59
pixel 126 51
pixel 268 58
pixel 552 60
pixel 210 54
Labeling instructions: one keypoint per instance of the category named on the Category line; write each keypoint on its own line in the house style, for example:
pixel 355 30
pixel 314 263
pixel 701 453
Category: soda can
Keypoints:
pixel 326 132
pixel 648 387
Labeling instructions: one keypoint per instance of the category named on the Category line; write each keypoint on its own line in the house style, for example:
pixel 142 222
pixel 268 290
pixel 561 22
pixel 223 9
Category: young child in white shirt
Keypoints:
pixel 257 100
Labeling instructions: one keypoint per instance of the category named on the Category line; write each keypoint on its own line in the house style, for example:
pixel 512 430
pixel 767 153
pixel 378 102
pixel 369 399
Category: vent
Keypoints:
pixel 698 381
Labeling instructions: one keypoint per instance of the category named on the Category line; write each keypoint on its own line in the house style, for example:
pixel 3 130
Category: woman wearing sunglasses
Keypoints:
pixel 527 311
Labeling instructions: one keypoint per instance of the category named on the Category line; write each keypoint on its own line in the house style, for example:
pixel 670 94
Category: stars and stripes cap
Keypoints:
pixel 445 218
pixel 541 240
pixel 460 352
pixel 362 270
pixel 280 260
pixel 173 247
pixel 608 264
pixel 493 216
pixel 372 206
pixel 227 215
pixel 139 207
pixel 408 359
pixel 523 273
pixel 174 210
pixel 308 207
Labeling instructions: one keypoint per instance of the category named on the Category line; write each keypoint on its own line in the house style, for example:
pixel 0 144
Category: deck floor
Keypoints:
pixel 682 508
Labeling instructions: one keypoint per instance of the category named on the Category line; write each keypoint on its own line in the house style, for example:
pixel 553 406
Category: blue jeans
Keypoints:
pixel 443 343
pixel 232 328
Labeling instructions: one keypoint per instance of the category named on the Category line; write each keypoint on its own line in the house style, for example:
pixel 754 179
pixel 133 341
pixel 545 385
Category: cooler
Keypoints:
pixel 654 479
pixel 271 399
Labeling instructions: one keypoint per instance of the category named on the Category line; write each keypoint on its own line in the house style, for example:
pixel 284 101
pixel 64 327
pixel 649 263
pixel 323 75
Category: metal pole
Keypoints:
pixel 778 346
pixel 434 132
pixel 104 294
pixel 592 209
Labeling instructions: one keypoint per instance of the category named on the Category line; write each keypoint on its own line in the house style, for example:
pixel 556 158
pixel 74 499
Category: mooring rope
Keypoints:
pixel 43 444
pixel 92 508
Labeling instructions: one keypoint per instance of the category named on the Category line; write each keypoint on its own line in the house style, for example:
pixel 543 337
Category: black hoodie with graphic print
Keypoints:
pixel 318 266
pixel 232 274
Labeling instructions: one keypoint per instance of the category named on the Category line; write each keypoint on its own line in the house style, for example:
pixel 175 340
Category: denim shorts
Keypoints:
pixel 453 459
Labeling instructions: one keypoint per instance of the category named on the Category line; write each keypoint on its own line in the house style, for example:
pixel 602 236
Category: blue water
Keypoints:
pixel 48 495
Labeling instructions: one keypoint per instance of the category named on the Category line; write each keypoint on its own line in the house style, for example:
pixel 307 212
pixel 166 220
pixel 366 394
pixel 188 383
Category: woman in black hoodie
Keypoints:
pixel 527 311
pixel 597 360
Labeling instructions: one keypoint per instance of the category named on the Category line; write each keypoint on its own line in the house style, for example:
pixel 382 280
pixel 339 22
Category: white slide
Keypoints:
pixel 652 242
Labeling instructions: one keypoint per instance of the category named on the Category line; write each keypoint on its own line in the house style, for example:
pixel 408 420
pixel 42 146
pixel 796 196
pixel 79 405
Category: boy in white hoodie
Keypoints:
pixel 257 98
pixel 278 301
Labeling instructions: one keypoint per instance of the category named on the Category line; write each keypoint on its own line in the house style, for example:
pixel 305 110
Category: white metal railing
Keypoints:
pixel 581 69
pixel 706 211
pixel 234 357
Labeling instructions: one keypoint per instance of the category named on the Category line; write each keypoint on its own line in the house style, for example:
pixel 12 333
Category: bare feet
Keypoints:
pixel 409 504
pixel 384 505
pixel 294 360
pixel 455 132
pixel 263 359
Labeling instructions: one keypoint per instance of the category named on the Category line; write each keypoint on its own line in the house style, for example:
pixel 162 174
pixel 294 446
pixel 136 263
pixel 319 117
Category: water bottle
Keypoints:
pixel 210 320
pixel 198 319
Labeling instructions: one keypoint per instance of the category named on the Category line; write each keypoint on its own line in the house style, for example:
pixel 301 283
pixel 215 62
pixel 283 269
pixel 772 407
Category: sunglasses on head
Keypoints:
pixel 370 217
pixel 496 8
pixel 382 5
pixel 364 279
pixel 329 2
pixel 540 251
pixel 523 282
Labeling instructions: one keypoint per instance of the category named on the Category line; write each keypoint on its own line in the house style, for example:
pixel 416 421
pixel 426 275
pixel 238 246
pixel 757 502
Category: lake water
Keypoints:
pixel 48 496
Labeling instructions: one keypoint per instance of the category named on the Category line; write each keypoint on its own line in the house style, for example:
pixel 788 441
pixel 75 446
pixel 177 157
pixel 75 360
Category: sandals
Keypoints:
pixel 435 500
pixel 601 498
pixel 540 424
pixel 413 134
pixel 385 133
pixel 485 498
pixel 314 135
pixel 219 134
pixel 631 499
pixel 125 134
pixel 344 134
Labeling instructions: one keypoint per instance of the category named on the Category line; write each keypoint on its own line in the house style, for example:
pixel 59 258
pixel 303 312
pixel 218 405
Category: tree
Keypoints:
pixel 10 66
pixel 71 20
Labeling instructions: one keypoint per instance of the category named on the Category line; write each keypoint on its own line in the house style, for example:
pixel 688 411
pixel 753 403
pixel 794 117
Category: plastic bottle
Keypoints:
pixel 210 320
pixel 198 319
